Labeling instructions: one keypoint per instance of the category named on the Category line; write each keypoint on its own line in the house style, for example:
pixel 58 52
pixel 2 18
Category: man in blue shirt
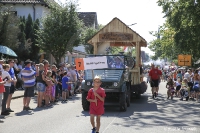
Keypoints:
pixel 13 83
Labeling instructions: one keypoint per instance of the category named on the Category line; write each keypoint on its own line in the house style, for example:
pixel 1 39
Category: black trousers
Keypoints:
pixel 5 97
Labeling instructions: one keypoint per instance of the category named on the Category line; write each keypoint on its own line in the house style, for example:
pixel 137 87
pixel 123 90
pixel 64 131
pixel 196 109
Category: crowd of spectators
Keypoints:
pixel 52 82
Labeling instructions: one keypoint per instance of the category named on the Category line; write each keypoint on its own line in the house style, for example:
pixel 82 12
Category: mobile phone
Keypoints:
pixel 5 79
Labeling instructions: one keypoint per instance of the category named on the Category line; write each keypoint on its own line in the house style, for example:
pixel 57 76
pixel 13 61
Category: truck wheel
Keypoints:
pixel 122 102
pixel 128 98
pixel 85 103
pixel 138 96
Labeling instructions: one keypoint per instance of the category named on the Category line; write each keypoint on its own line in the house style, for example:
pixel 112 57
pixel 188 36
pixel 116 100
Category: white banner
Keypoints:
pixel 95 62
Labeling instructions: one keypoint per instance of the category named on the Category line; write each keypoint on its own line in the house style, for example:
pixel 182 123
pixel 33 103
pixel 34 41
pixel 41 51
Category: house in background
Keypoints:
pixel 39 9
pixel 36 8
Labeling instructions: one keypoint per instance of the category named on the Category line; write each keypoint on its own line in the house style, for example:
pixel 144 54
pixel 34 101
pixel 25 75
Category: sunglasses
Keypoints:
pixel 97 82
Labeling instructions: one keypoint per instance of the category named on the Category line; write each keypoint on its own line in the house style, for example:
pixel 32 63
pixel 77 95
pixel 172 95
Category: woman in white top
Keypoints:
pixel 6 75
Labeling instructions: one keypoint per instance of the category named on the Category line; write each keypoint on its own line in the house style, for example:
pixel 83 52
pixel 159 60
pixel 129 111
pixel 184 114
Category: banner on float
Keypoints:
pixel 91 63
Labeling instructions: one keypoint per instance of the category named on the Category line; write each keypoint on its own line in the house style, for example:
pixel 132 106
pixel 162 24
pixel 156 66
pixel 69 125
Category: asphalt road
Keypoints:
pixel 145 115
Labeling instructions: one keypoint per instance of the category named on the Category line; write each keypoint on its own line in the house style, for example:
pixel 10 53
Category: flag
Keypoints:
pixel 125 48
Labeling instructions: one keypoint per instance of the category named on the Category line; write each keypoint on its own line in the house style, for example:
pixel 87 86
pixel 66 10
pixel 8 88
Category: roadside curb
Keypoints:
pixel 15 97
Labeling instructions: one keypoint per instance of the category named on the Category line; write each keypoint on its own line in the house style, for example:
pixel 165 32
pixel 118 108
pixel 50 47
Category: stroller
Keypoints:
pixel 184 93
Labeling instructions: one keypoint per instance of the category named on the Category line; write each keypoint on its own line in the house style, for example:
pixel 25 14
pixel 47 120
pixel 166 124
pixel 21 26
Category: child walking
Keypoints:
pixel 96 97
pixel 170 88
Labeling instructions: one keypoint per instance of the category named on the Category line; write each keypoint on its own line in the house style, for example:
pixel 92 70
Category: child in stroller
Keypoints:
pixel 170 88
pixel 184 92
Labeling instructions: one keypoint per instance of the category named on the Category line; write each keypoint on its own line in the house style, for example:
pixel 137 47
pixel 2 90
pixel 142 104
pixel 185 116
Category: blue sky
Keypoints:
pixel 146 13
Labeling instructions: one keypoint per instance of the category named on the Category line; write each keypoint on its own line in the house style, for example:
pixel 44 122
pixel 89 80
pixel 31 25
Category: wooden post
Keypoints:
pixel 93 88
pixel 138 60
pixel 95 47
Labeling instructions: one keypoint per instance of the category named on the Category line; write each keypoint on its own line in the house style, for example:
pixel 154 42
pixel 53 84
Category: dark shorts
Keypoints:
pixel 29 92
pixel 12 89
pixel 178 87
pixel 154 83
pixel 64 89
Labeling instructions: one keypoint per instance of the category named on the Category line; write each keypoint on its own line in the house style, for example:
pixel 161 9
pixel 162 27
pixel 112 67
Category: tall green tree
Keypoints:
pixel 183 17
pixel 25 45
pixel 61 30
pixel 89 32
pixel 8 27
pixel 34 47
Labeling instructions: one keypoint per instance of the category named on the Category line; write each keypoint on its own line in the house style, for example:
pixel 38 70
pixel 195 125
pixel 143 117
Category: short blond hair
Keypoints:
pixel 49 72
pixel 97 77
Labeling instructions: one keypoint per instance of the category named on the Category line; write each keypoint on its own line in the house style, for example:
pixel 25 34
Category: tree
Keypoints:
pixel 61 30
pixel 34 48
pixel 183 17
pixel 24 49
pixel 89 32
pixel 8 27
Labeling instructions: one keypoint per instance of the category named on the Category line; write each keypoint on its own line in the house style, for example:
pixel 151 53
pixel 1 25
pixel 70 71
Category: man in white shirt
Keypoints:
pixel 1 62
pixel 187 75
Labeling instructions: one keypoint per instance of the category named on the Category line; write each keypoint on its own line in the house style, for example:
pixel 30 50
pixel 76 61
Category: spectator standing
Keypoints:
pixel 48 90
pixel 7 85
pixel 13 83
pixel 59 85
pixel 73 78
pixel 65 91
pixel 1 63
pixel 40 84
pixel 28 76
pixel 46 65
pixel 54 80
pixel 2 89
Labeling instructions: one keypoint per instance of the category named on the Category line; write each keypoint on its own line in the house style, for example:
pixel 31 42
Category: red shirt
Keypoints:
pixel 2 89
pixel 99 109
pixel 155 74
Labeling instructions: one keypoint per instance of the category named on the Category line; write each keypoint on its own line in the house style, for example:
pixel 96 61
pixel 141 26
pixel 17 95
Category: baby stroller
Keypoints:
pixel 184 94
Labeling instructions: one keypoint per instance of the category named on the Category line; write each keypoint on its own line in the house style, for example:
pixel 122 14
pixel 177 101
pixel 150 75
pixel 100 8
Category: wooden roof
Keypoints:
pixel 118 33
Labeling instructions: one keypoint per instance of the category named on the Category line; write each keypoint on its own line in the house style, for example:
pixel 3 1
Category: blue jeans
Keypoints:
pixel 40 87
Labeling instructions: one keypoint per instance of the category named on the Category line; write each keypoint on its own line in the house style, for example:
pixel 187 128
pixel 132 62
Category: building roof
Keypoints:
pixel 24 2
pixel 89 18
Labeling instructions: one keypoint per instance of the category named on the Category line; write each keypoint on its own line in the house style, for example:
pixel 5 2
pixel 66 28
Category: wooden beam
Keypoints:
pixel 95 48
pixel 118 44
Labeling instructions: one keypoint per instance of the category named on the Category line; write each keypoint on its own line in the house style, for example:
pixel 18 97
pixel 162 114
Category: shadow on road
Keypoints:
pixel 147 112
pixel 24 113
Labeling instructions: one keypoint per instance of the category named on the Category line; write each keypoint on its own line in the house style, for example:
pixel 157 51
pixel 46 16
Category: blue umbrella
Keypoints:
pixel 6 50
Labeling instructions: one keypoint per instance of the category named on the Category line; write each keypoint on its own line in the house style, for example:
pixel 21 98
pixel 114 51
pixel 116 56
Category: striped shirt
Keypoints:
pixel 28 76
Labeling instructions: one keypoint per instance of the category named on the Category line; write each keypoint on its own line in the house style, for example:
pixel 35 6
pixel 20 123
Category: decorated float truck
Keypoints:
pixel 122 78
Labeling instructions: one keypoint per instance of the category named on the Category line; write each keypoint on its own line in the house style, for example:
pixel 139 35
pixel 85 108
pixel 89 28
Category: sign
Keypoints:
pixel 79 64
pixel 91 63
pixel 184 60
pixel 115 36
